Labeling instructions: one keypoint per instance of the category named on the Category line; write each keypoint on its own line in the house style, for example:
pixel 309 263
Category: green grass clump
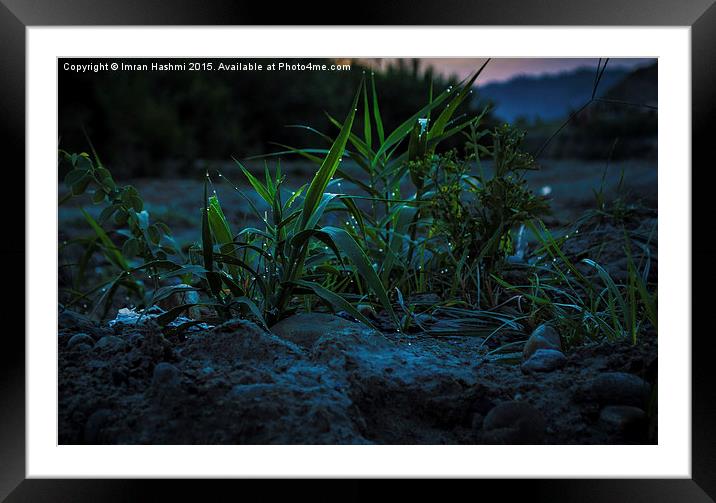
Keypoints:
pixel 425 221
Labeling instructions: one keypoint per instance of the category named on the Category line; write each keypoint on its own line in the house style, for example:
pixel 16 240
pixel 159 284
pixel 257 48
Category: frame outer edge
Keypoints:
pixel 392 12
pixel 12 251
pixel 12 106
pixel 703 75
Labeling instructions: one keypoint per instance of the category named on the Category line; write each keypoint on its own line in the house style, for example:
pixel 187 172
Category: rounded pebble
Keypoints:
pixel 514 422
pixel 78 339
pixel 544 360
pixel 110 343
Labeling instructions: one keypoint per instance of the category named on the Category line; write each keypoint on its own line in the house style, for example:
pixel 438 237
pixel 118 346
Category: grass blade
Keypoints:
pixel 207 245
pixel 357 256
pixel 336 301
pixel 376 111
pixel 113 254
pixel 328 168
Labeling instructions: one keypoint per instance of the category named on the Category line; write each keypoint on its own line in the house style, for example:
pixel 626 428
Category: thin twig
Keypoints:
pixel 628 103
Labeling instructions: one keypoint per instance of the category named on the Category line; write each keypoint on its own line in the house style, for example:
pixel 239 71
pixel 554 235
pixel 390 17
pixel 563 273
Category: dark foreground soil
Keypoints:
pixel 327 380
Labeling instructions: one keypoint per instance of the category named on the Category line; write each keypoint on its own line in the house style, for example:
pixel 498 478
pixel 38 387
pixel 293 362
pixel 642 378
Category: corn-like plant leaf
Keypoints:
pixel 326 198
pixel 218 223
pixel 300 239
pixel 112 253
pixel 308 153
pixel 406 127
pixel 442 121
pixel 367 133
pixel 376 111
pixel 259 187
pixel 173 314
pixel 208 246
pixel 231 260
pixel 361 146
pixel 357 256
pixel 253 308
pixel 327 169
pixel 168 291
pixel 356 212
pixel 614 292
pixel 221 231
pixel 327 138
pixel 296 194
pixel 336 301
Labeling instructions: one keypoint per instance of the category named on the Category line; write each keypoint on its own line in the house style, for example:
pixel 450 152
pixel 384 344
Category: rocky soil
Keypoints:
pixel 322 379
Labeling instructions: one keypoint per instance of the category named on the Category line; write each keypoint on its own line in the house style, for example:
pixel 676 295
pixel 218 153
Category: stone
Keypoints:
pixel 306 328
pixel 514 422
pixel 624 419
pixel 111 343
pixel 80 339
pixel 543 337
pixel 165 376
pixel 166 383
pixel 621 416
pixel 544 360
pixel 184 295
pixel 96 422
pixel 617 388
pixel 72 320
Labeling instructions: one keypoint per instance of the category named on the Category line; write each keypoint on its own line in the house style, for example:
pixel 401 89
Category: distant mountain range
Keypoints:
pixel 550 97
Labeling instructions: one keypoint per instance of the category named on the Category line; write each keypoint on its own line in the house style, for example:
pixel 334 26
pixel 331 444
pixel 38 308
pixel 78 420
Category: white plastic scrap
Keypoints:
pixel 129 316
pixel 423 122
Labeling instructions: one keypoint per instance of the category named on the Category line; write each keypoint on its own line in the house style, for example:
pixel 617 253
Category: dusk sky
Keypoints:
pixel 505 68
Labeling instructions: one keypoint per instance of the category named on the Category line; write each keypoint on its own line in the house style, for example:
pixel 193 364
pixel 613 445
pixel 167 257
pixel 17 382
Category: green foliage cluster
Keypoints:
pixel 425 222
pixel 150 242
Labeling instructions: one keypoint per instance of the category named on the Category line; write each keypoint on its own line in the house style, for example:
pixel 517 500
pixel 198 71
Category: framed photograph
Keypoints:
pixel 411 246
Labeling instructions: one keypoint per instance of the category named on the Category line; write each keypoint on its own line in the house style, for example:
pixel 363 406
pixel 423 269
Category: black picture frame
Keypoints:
pixel 16 15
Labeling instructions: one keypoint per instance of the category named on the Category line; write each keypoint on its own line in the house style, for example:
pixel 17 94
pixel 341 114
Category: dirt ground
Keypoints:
pixel 327 380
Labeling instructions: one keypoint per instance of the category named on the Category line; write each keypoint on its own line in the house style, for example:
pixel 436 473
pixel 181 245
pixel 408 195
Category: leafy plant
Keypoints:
pixel 583 298
pixel 476 214
pixel 136 248
pixel 293 253
pixel 388 222
pixel 424 221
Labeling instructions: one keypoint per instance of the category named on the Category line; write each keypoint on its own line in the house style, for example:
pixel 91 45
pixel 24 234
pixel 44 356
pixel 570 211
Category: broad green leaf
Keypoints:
pixel 406 127
pixel 259 187
pixel 326 198
pixel 173 314
pixel 336 301
pixel 328 168
pixel 357 256
pixel 442 121
pixel 367 134
pixel 302 238
pixel 376 111
pixel 220 229
pixel 208 246
pixel 112 252
pixel 253 308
